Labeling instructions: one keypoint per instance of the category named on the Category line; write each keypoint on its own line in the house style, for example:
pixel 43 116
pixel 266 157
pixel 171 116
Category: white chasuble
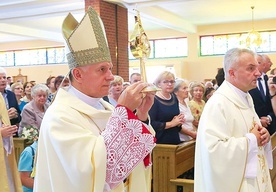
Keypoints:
pixel 223 157
pixel 76 147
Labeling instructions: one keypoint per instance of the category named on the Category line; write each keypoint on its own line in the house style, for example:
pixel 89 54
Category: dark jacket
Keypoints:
pixel 263 107
pixel 13 103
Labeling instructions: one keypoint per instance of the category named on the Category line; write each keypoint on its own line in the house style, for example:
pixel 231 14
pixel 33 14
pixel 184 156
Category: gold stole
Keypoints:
pixel 263 178
pixel 4 184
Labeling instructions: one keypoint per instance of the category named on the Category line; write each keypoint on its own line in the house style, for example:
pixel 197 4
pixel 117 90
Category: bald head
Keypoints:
pixel 266 63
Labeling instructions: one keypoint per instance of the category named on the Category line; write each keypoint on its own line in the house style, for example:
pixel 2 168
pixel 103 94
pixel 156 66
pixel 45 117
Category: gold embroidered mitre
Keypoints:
pixel 86 41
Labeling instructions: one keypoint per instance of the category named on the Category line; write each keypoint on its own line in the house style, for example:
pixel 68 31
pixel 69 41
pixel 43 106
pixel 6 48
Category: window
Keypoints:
pixel 43 56
pixel 171 48
pixel 219 44
pixel 6 59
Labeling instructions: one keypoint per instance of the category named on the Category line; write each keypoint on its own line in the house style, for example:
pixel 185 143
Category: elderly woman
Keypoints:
pixel 164 114
pixel 34 111
pixel 181 91
pixel 115 89
pixel 197 103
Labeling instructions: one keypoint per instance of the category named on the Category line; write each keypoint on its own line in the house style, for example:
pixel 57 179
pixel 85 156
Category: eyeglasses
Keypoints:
pixel 167 82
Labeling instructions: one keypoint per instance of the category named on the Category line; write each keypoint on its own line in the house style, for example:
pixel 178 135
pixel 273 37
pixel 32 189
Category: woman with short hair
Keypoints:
pixel 164 114
pixel 34 111
pixel 197 103
pixel 17 88
pixel 115 89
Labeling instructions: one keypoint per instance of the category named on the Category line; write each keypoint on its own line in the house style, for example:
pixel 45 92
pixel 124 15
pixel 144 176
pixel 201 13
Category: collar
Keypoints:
pixel 237 96
pixel 94 102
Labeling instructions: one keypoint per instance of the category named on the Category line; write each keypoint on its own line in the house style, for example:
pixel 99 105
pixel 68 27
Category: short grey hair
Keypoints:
pixel 232 58
pixel 179 83
pixel 39 87
pixel 2 70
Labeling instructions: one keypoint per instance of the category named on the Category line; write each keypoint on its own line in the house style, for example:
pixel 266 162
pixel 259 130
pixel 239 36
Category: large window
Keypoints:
pixel 167 48
pixel 219 44
pixel 43 56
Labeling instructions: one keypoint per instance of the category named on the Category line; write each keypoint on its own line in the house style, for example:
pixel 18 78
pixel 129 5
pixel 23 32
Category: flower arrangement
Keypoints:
pixel 30 133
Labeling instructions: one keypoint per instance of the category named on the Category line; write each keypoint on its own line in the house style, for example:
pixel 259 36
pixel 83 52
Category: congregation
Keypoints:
pixel 175 114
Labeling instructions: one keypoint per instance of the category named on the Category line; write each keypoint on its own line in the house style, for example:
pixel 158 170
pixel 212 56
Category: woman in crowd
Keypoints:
pixel 50 82
pixel 34 111
pixel 17 88
pixel 58 82
pixel 208 93
pixel 164 114
pixel 115 90
pixel 196 104
pixel 27 94
pixel 181 91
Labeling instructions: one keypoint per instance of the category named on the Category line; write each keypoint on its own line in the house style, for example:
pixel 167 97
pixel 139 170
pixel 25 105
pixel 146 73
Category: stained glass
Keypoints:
pixel 219 44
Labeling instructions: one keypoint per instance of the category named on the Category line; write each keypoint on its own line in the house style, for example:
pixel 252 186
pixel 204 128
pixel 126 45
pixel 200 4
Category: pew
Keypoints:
pixel 169 162
pixel 19 146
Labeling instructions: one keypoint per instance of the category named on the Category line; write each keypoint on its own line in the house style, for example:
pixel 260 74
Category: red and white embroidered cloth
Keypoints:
pixel 128 142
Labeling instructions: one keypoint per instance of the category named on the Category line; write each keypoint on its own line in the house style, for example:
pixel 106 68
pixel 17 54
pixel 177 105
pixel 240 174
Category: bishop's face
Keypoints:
pixel 95 79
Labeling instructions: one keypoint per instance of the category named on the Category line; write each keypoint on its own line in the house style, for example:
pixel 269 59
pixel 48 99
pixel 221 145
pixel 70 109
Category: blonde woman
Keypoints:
pixel 164 114
pixel 197 103
pixel 115 89
pixel 17 88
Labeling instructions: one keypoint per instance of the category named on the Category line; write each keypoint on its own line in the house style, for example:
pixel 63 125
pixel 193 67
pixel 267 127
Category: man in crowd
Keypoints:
pixel 231 141
pixel 10 99
pixel 83 145
pixel 261 96
pixel 134 77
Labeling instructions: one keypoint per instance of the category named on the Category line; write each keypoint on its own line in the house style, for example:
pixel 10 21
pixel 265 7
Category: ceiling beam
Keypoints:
pixel 167 19
pixel 152 13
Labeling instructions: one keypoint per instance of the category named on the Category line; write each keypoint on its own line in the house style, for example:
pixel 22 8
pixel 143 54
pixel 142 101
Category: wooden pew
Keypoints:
pixel 19 146
pixel 169 162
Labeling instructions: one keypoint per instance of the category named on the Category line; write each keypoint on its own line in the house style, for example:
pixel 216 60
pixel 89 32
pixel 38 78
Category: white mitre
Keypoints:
pixel 86 41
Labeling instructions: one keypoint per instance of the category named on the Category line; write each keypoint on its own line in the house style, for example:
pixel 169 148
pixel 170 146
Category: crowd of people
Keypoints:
pixel 84 136
pixel 175 114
